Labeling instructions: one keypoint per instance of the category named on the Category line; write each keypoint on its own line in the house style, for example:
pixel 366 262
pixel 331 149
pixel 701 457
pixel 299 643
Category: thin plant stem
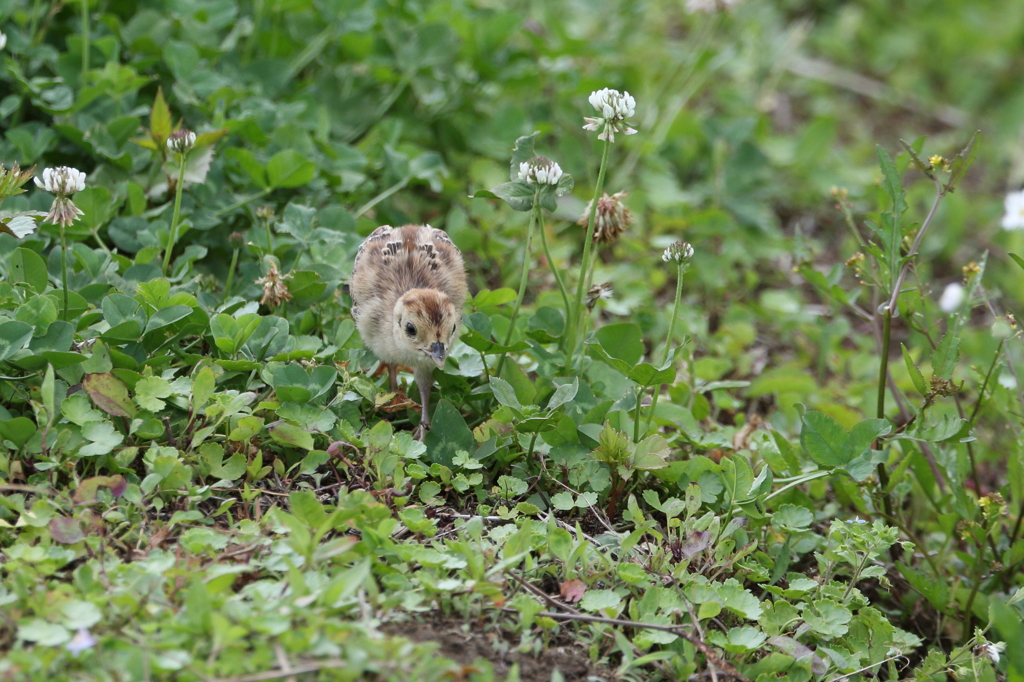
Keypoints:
pixel 64 269
pixel 523 278
pixel 383 195
pixel 940 192
pixel 551 264
pixel 270 244
pixel 636 420
pixel 240 203
pixel 984 385
pixel 668 339
pixel 231 274
pixel 883 475
pixel 588 243
pixel 177 212
pixel 85 39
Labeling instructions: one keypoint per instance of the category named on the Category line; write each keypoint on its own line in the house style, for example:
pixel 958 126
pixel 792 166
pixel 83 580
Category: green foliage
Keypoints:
pixel 200 480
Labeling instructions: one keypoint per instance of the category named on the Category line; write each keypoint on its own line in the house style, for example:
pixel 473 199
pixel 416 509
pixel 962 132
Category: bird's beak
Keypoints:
pixel 437 352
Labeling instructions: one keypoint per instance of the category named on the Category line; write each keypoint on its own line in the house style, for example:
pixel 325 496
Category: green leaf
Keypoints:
pixel 1017 259
pixel 504 393
pixel 828 618
pixel 564 394
pixel 288 168
pixel 150 391
pixel 28 266
pixel 518 195
pixel 823 439
pixel 946 355
pixel 497 297
pixel 914 371
pixel 13 337
pixel 791 518
pixel 892 182
pixel 102 437
pixel 650 453
pixel 448 435
pixel 160 119
pixel 289 434
pixel 257 173
pixel 623 341
pixel 600 601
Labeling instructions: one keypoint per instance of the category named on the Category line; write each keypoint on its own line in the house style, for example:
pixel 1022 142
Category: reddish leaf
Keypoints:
pixel 109 394
pixel 66 531
pixel 85 493
pixel 572 590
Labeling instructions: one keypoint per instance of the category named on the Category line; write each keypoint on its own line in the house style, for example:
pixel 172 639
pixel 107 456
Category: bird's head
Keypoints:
pixel 426 321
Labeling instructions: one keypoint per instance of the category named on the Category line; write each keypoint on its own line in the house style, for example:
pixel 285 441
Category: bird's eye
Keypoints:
pixel 410 329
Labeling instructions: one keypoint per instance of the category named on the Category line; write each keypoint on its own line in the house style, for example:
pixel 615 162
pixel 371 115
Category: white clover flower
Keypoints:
pixel 1013 219
pixel 707 6
pixel 990 650
pixel 3 40
pixel 540 171
pixel 62 181
pixel 614 108
pixel 181 141
pixel 951 298
pixel 679 253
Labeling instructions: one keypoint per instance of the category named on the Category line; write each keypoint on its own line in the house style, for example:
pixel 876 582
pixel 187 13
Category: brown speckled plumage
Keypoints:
pixel 408 288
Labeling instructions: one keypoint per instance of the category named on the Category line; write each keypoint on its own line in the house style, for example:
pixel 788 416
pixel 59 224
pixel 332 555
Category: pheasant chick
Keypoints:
pixel 408 287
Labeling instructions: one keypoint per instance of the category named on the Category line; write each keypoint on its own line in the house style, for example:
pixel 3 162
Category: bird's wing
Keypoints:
pixel 393 260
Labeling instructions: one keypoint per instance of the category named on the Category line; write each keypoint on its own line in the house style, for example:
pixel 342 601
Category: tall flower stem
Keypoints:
pixel 270 244
pixel 668 340
pixel 64 268
pixel 534 212
pixel 231 274
pixel 177 212
pixel 85 39
pixel 554 268
pixel 588 245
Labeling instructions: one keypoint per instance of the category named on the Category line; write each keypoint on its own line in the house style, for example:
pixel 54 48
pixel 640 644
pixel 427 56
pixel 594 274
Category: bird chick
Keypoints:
pixel 408 287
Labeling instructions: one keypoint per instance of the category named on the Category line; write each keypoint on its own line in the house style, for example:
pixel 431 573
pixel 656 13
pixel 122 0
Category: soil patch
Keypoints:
pixel 468 643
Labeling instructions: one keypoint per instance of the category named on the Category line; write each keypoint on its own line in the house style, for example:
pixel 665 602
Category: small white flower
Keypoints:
pixel 62 181
pixel 678 253
pixel 614 108
pixel 952 297
pixel 181 141
pixel 82 640
pixel 540 171
pixel 990 650
pixel 1013 219
pixel 3 40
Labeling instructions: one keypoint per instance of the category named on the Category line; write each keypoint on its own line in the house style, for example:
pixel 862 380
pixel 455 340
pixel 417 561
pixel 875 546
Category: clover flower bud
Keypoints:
pixel 540 171
pixel 611 219
pixel 181 141
pixel 614 108
pixel 236 240
pixel 952 297
pixel 679 253
pixel 265 212
pixel 597 293
pixel 275 291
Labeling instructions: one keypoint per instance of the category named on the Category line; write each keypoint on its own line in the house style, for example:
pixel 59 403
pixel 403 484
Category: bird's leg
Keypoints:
pixel 393 377
pixel 425 380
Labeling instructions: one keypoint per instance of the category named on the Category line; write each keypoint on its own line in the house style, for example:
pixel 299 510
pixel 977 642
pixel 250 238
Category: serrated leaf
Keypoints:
pixel 946 355
pixel 914 371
